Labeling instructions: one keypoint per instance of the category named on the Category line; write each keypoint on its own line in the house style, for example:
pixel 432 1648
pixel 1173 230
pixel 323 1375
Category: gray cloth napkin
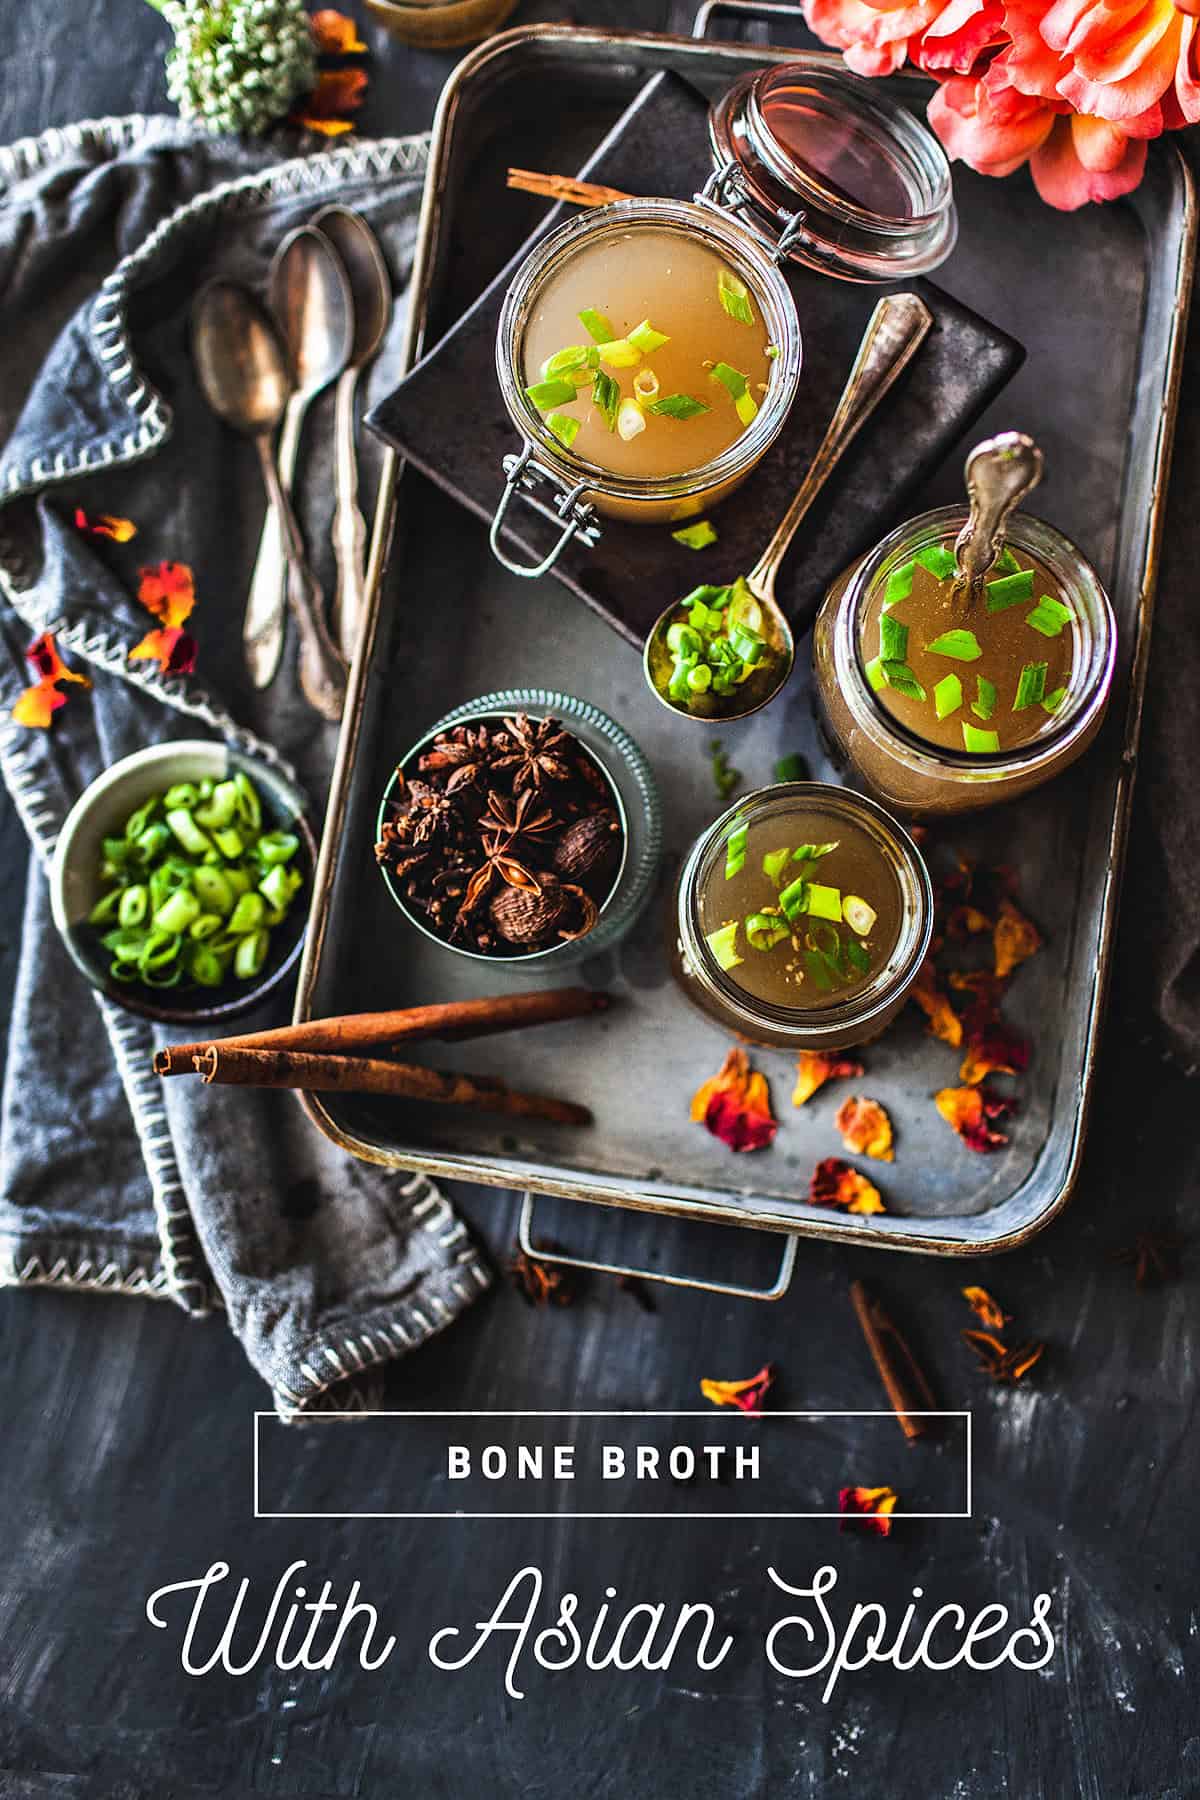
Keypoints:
pixel 109 1179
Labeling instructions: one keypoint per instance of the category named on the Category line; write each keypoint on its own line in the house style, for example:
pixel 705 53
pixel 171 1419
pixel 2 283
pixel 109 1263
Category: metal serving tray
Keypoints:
pixel 1100 299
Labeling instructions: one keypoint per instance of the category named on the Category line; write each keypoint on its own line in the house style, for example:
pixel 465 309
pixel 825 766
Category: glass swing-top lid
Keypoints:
pixel 841 176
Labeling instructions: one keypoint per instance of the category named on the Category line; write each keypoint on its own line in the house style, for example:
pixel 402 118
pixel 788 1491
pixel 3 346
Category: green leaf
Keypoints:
pixel 643 337
pixel 899 583
pixel 893 639
pixel 962 645
pixel 1009 590
pixel 1053 701
pixel 898 675
pixel 606 394
pixel 981 741
pixel 984 703
pixel 731 379
pixel 938 560
pixel 546 395
pixel 564 427
pixel 1032 685
pixel 678 406
pixel 1049 616
pixel 947 696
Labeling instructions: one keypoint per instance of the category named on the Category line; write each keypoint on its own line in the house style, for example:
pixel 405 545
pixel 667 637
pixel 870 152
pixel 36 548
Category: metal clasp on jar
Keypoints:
pixel 726 191
pixel 525 473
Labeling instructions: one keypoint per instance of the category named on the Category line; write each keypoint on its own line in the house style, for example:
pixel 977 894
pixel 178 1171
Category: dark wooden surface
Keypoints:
pixel 125 1433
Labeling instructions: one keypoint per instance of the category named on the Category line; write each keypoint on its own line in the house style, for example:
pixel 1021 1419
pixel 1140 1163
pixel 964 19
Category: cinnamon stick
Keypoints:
pixel 907 1389
pixel 564 187
pixel 239 1067
pixel 350 1033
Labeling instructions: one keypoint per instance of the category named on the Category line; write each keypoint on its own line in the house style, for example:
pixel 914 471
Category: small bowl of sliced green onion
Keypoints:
pixel 181 881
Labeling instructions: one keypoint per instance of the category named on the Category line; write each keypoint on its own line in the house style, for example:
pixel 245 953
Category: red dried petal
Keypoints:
pixel 338 91
pixel 835 1183
pixel 105 525
pixel 172 649
pixel 867 1509
pixel 335 34
pixel 747 1395
pixel 168 591
pixel 974 1113
pixel 735 1105
pixel 814 1068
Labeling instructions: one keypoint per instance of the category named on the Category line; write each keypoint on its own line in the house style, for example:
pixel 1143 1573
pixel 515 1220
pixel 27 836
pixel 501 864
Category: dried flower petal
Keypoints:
pixel 171 648
pixel 835 1183
pixel 985 1308
pixel 867 1509
pixel 974 1114
pixel 865 1127
pixel 168 591
pixel 814 1069
pixel 338 91
pixel 36 706
pixel 735 1105
pixel 1014 939
pixel 944 1022
pixel 747 1396
pixel 995 1357
pixel 335 34
pixel 992 1048
pixel 105 525
pixel 544 1284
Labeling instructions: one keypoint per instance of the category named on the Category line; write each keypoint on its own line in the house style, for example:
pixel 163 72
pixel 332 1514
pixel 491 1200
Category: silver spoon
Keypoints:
pixel 894 333
pixel 243 371
pixel 371 296
pixel 310 298
pixel 999 473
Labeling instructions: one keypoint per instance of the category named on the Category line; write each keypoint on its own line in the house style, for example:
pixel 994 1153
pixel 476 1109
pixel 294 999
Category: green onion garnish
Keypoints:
pixel 1032 685
pixel 697 536
pixel 824 902
pixel 794 898
pixel 643 337
pixel 947 696
pixel 596 325
pixel 765 930
pixel 974 739
pixel 774 863
pixel 984 703
pixel 898 675
pixel 564 427
pixel 818 967
pixel 875 674
pixel 1054 700
pixel 771 352
pixel 725 776
pixel 1049 616
pixel 606 395
pixel 678 406
pixel 899 583
pixel 893 639
pixel 735 851
pixel 963 646
pixel 619 353
pixel 723 944
pixel 546 395
pixel 1007 563
pixel 577 360
pixel 734 296
pixel 938 560
pixel 1009 590
pixel 858 954
pixel 731 379
pixel 791 767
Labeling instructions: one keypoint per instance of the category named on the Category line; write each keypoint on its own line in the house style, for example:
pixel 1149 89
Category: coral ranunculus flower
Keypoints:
pixel 1074 88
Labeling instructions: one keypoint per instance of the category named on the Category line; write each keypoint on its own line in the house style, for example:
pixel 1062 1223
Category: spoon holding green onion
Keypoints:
pixel 724 652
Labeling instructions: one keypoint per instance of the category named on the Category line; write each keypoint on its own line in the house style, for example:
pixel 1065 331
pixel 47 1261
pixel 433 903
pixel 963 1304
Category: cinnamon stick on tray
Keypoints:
pixel 351 1033
pixel 238 1067
pixel 564 187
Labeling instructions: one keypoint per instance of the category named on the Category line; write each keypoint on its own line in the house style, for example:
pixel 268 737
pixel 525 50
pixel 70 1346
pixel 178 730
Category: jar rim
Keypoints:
pixel 906 956
pixel 1039 538
pixel 754 266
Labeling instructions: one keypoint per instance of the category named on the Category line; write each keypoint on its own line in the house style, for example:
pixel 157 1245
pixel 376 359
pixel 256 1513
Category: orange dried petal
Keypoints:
pixel 37 705
pixel 944 1022
pixel 974 1113
pixel 835 1183
pixel 871 1508
pixel 747 1395
pixel 735 1105
pixel 814 1069
pixel 105 525
pixel 168 590
pixel 985 1308
pixel 865 1127
pixel 335 34
pixel 1014 939
pixel 338 91
pixel 173 649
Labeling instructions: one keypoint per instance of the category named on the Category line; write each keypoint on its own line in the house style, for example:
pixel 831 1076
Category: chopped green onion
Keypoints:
pixel 962 645
pixel 735 851
pixel 699 679
pixel 984 703
pixel 176 914
pixel 184 793
pixel 774 863
pixel 277 847
pixel 1007 563
pixel 620 354
pixel 771 352
pixel 791 767
pixel 858 914
pixel 606 395
pixel 186 830
pixel 697 536
pixel 105 908
pixel 229 842
pixel 564 427
pixel 596 325
pixel 824 902
pixel 1049 616
pixel 732 380
pixel 220 808
pixel 723 944
pixel 133 906
pixel 1054 700
pixel 794 898
pixel 1008 590
pixel 899 583
pixel 974 739
pixel 746 407
pixel 631 421
pixel 682 641
pixel 734 296
pixel 643 337
pixel 893 639
pixel 858 954
pixel 247 914
pixel 278 886
pixel 898 675
pixel 818 967
pixel 645 386
pixel 546 395
pixel 765 930
pixel 1032 685
pixel 947 696
pixel 678 406
pixel 875 674
pixel 938 560
pixel 249 805
pixel 251 954
pixel 575 363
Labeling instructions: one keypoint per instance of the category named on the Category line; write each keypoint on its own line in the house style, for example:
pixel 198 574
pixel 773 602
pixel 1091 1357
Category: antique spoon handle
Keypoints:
pixel 262 628
pixel 999 473
pixel 895 331
pixel 322 672
pixel 349 527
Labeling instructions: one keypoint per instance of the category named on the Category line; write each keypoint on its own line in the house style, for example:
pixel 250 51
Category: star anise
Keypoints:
pixel 995 1357
pixel 541 752
pixel 468 754
pixel 1154 1257
pixel 517 818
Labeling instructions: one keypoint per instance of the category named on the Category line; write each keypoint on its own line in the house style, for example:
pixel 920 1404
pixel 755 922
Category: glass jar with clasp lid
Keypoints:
pixel 649 350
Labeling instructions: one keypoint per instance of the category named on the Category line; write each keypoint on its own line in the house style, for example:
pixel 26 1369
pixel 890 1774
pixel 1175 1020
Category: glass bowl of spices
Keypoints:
pixel 524 828
pixel 945 700
pixel 181 880
pixel 648 353
pixel 803 915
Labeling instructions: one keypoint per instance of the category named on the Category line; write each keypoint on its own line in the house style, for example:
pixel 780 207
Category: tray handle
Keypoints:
pixel 776 1291
pixel 762 10
pixel 522 474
